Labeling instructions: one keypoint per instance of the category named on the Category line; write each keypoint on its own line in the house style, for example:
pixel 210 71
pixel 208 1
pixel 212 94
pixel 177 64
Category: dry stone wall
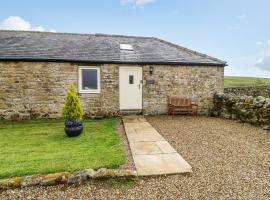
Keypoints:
pixel 38 89
pixel 254 110
pixel 250 90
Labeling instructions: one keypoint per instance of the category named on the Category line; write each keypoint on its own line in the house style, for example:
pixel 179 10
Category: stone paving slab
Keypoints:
pixel 131 119
pixel 165 147
pixel 137 125
pixel 147 137
pixel 146 130
pixel 142 148
pixel 161 164
pixel 152 154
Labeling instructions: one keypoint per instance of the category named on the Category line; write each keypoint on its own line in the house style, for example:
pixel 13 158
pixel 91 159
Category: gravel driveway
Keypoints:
pixel 230 160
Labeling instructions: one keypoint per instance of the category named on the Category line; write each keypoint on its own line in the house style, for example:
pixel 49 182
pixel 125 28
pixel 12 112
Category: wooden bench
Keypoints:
pixel 181 106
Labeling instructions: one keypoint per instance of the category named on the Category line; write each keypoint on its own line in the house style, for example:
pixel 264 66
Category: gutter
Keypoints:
pixel 111 62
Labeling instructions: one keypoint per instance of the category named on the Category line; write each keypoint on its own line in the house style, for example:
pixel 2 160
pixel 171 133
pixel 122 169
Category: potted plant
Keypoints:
pixel 72 113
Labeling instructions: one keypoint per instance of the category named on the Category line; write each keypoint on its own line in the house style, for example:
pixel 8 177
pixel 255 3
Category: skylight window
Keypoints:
pixel 127 47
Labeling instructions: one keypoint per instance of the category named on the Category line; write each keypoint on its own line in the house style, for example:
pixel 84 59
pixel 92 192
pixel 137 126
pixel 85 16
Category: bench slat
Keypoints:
pixel 181 106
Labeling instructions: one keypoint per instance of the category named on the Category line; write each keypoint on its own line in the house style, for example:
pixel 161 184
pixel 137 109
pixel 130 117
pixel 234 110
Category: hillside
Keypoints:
pixel 234 81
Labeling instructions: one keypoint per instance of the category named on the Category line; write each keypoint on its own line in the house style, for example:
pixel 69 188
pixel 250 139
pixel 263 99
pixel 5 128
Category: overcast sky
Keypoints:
pixel 237 31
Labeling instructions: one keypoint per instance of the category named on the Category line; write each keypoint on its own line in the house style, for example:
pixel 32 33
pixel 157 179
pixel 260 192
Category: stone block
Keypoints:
pixel 31 180
pixel 11 183
pixel 53 179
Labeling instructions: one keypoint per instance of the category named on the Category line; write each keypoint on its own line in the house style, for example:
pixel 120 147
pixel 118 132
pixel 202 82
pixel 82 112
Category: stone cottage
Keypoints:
pixel 113 74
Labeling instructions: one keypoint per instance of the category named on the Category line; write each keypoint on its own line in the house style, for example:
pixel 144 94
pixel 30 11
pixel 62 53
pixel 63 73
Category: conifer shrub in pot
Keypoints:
pixel 72 113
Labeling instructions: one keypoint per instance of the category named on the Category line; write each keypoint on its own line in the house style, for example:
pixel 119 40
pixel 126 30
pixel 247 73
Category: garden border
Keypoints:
pixel 77 177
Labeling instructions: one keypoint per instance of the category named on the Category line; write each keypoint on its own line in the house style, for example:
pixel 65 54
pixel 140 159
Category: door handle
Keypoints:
pixel 139 86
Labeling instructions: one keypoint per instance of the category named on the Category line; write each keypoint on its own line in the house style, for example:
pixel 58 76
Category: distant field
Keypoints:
pixel 234 81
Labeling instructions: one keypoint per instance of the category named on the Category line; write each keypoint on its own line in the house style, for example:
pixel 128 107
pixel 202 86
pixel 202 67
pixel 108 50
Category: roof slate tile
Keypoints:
pixel 101 48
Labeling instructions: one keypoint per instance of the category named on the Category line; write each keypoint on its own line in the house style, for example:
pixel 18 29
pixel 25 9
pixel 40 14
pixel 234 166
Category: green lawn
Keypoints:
pixel 41 146
pixel 234 81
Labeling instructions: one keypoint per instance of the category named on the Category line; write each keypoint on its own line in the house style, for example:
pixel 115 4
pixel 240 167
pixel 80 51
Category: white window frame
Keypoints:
pixel 80 80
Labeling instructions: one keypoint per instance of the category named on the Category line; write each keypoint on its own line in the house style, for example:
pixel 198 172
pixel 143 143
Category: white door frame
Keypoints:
pixel 139 84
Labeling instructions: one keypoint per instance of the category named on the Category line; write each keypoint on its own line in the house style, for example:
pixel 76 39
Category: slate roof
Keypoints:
pixel 95 48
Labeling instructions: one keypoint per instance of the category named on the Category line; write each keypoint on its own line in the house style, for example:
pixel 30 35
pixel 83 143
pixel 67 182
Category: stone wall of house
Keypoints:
pixel 38 89
pixel 249 90
pixel 254 110
pixel 195 82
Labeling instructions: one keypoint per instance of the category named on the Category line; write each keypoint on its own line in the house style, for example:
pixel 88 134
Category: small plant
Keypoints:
pixel 72 112
pixel 72 109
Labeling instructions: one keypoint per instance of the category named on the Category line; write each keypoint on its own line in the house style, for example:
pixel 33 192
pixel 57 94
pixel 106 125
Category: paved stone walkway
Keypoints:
pixel 152 154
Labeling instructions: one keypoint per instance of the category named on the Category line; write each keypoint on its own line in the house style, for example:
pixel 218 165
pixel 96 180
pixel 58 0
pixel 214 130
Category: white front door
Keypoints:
pixel 130 87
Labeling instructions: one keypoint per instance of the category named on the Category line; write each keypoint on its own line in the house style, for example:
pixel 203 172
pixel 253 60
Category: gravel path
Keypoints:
pixel 230 161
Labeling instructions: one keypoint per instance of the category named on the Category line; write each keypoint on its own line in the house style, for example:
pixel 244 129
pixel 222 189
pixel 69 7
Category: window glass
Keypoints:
pixel 131 79
pixel 89 79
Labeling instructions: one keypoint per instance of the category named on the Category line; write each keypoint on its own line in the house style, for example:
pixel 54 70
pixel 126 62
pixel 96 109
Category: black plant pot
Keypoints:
pixel 73 131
